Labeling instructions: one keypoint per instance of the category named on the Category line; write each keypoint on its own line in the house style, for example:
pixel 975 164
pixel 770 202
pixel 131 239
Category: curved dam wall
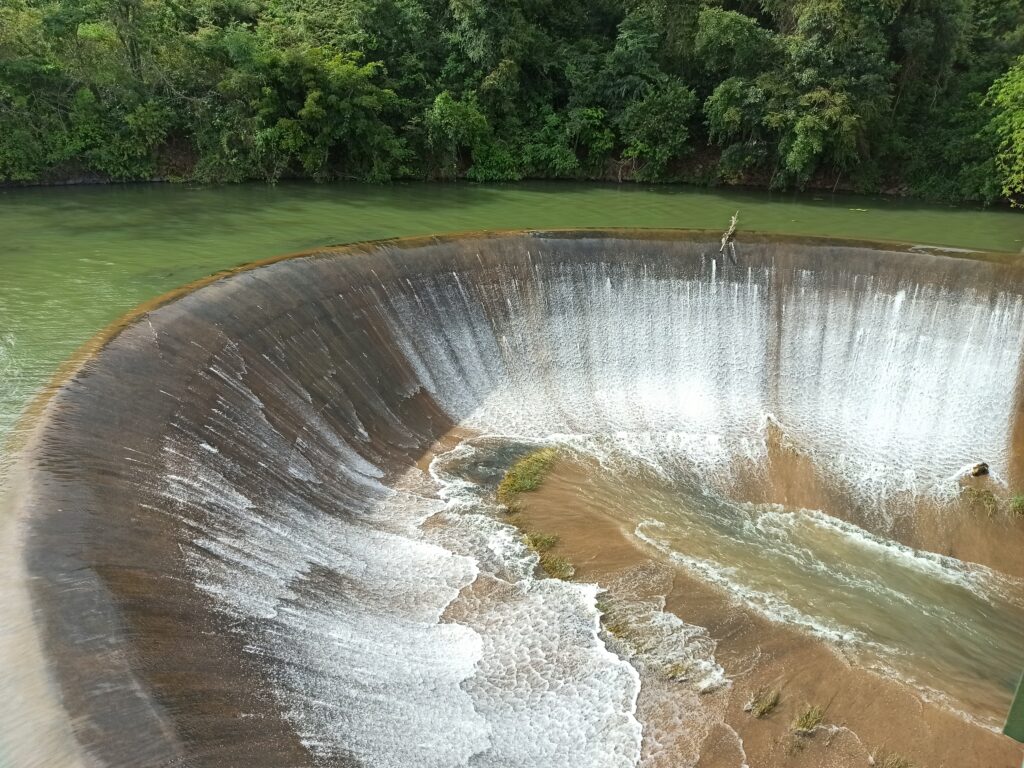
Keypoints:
pixel 218 524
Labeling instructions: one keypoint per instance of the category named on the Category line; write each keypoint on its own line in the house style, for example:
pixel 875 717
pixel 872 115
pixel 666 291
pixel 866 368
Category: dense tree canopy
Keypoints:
pixel 917 96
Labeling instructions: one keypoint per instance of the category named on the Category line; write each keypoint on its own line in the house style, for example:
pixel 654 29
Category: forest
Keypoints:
pixel 912 97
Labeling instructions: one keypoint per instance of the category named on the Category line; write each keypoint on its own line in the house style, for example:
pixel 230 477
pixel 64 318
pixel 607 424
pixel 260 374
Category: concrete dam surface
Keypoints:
pixel 258 524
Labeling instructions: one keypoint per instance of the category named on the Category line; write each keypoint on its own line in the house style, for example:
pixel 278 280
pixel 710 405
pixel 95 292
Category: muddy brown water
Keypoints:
pixel 867 714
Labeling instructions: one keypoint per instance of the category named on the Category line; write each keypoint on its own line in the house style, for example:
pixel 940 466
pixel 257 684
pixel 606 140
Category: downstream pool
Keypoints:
pixel 74 259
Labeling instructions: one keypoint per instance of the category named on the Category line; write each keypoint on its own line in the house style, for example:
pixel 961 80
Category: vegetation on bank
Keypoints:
pixel 1017 505
pixel 980 501
pixel 636 637
pixel 553 565
pixel 525 475
pixel 556 567
pixel 539 542
pixel 914 96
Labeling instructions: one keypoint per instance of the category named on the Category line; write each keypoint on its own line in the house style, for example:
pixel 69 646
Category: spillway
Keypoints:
pixel 234 555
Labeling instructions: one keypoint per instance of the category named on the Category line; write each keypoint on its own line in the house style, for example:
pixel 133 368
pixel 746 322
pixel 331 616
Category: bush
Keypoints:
pixel 1007 95
pixel 556 567
pixel 893 761
pixel 540 542
pixel 455 127
pixel 980 501
pixel 654 128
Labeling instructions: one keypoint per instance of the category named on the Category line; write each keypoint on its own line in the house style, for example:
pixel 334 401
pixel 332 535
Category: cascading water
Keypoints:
pixel 231 485
pixel 890 384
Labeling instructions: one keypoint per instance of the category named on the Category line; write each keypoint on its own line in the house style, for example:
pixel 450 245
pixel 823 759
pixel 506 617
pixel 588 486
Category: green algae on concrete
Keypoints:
pixel 1014 727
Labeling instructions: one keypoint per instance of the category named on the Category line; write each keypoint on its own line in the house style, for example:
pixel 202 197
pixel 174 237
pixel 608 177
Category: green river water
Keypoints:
pixel 74 259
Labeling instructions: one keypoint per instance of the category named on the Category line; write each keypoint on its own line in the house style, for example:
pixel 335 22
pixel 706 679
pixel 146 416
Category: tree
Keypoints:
pixel 654 128
pixel 919 96
pixel 455 128
pixel 1007 96
pixel 731 44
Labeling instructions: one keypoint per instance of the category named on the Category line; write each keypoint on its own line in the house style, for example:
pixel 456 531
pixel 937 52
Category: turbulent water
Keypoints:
pixel 884 388
pixel 679 375
pixel 950 629
pixel 892 387
pixel 399 622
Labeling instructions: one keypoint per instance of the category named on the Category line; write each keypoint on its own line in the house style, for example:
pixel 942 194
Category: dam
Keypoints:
pixel 257 523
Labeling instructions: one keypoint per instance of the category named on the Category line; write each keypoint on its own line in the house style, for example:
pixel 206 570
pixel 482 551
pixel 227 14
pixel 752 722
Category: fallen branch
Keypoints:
pixel 729 236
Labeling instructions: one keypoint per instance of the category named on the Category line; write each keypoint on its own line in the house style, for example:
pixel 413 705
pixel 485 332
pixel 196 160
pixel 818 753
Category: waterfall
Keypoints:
pixel 246 516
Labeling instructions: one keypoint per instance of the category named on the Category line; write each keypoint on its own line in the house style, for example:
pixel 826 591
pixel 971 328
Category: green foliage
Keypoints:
pixel 572 144
pixel 493 161
pixel 763 702
pixel 553 565
pixel 1017 505
pixel 1007 96
pixel 556 567
pixel 731 43
pixel 301 111
pixel 654 128
pixel 809 718
pixel 980 501
pixel 540 542
pixel 526 474
pixel 893 760
pixel 550 152
pixel 917 96
pixel 455 127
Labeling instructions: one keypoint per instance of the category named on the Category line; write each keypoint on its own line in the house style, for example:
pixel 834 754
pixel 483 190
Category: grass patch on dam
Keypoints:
pixel 526 475
pixel 555 566
pixel 539 542
pixel 763 702
pixel 893 761
pixel 810 717
pixel 1017 506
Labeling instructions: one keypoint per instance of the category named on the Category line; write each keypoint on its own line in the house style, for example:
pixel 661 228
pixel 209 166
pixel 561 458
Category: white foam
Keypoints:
pixel 552 694
pixel 390 643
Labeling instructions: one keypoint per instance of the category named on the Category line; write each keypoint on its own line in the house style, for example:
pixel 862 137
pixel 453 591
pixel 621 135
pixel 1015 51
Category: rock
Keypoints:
pixel 980 469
